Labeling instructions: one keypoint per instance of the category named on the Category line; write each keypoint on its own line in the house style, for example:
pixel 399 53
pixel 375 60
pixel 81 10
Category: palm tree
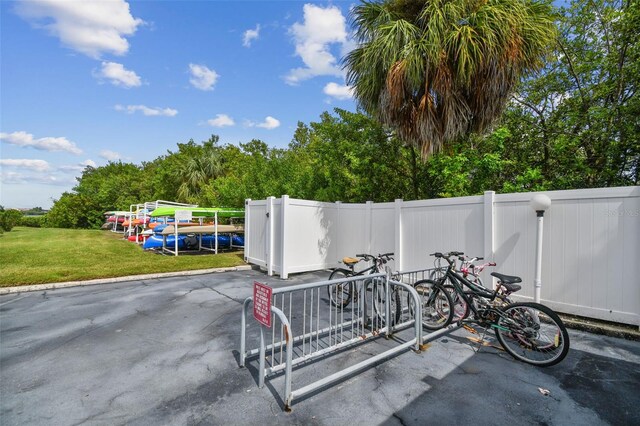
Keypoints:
pixel 436 70
pixel 198 171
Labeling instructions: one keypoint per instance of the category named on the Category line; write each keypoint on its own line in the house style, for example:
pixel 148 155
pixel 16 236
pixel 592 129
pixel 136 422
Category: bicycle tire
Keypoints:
pixel 378 298
pixel 340 294
pixel 460 307
pixel 532 333
pixel 437 311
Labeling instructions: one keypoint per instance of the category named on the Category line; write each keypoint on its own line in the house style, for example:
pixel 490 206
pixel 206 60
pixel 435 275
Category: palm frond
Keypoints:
pixel 435 70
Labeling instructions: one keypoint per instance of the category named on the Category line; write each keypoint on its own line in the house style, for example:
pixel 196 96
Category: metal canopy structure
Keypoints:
pixel 199 211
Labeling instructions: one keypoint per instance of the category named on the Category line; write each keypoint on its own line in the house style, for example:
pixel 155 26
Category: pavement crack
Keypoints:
pixel 240 302
pixel 213 322
pixel 400 419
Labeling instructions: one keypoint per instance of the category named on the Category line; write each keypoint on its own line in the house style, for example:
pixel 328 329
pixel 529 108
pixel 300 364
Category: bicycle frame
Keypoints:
pixel 459 282
pixel 378 266
pixel 373 269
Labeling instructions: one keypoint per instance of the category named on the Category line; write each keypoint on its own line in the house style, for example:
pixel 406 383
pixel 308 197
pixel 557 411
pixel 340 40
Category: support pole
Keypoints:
pixel 537 281
pixel 539 203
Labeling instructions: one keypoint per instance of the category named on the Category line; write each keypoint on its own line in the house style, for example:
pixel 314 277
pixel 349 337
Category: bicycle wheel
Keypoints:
pixel 437 305
pixel 532 333
pixel 460 307
pixel 377 295
pixel 340 294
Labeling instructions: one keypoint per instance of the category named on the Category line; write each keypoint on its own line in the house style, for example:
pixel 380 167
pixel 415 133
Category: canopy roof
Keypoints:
pixel 199 211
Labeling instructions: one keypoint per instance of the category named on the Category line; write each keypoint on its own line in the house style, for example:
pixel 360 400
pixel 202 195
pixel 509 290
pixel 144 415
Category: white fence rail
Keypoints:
pixel 590 251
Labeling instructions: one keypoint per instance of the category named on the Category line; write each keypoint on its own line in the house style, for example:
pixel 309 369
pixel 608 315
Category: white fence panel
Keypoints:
pixel 515 243
pixel 441 225
pixel 255 232
pixel 383 230
pixel 352 231
pixel 277 242
pixel 311 236
pixel 591 243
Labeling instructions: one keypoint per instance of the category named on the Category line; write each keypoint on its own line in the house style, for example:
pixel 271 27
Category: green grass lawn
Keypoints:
pixel 48 255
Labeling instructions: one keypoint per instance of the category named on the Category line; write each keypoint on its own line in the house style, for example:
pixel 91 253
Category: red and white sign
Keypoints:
pixel 262 303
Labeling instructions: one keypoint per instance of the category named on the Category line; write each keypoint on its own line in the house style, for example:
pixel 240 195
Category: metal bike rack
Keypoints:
pixel 411 277
pixel 306 326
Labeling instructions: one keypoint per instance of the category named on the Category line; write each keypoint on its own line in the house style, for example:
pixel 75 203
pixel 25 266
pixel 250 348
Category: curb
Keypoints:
pixel 622 331
pixel 53 286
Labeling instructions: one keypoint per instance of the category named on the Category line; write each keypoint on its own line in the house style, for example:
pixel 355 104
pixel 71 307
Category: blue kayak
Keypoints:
pixel 190 242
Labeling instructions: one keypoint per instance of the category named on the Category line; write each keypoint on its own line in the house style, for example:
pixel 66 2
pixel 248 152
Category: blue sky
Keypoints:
pixel 86 82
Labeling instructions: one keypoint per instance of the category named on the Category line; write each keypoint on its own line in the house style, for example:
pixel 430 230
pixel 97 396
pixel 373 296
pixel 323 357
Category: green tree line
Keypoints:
pixel 575 123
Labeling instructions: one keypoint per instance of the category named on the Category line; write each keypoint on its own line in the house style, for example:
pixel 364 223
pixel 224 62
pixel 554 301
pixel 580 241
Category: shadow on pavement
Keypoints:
pixel 583 389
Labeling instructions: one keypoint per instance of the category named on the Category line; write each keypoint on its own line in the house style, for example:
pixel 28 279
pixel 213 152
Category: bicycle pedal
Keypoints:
pixel 479 341
pixel 484 343
pixel 470 329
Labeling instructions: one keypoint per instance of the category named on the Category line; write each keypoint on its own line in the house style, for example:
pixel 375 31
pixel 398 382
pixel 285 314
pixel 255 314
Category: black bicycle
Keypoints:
pixel 471 273
pixel 342 294
pixel 528 331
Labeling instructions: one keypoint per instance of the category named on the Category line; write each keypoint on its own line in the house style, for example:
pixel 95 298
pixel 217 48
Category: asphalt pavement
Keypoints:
pixel 164 351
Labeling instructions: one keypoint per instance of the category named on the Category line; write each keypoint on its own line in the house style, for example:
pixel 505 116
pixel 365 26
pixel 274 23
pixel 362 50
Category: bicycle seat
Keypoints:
pixel 508 281
pixel 350 261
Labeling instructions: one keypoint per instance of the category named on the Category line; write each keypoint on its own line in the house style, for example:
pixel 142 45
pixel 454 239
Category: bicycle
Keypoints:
pixel 528 331
pixel 437 301
pixel 471 272
pixel 342 294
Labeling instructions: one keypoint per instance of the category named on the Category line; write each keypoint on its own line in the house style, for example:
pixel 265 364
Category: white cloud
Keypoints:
pixel 149 112
pixel 110 155
pixel 78 167
pixel 338 91
pixel 89 27
pixel 36 165
pixel 12 177
pixel 202 77
pixel 118 75
pixel 269 123
pixel 321 28
pixel 250 35
pixel 221 120
pixel 43 144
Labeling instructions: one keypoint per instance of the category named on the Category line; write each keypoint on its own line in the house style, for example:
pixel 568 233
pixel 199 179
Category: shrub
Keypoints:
pixel 9 219
pixel 33 221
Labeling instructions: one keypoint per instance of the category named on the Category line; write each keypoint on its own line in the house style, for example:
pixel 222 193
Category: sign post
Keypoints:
pixel 180 216
pixel 262 303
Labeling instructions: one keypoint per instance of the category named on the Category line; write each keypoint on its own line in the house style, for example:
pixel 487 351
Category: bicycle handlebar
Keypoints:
pixel 469 259
pixel 462 258
pixel 447 256
pixel 384 257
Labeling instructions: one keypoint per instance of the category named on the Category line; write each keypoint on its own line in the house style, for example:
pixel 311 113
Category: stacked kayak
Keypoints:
pixel 191 241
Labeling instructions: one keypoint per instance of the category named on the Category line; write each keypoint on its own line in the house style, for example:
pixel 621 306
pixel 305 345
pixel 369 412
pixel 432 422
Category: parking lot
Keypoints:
pixel 164 351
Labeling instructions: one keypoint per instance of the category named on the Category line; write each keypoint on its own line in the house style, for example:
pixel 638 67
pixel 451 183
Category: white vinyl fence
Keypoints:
pixel 591 246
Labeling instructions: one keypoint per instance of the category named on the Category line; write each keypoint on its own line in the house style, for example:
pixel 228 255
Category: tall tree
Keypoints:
pixel 114 186
pixel 198 172
pixel 436 70
pixel 582 111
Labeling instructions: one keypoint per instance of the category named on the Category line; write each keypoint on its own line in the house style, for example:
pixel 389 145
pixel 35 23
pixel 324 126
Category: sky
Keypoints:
pixel 86 82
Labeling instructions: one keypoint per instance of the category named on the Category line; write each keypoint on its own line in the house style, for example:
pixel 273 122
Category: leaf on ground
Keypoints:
pixel 545 392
